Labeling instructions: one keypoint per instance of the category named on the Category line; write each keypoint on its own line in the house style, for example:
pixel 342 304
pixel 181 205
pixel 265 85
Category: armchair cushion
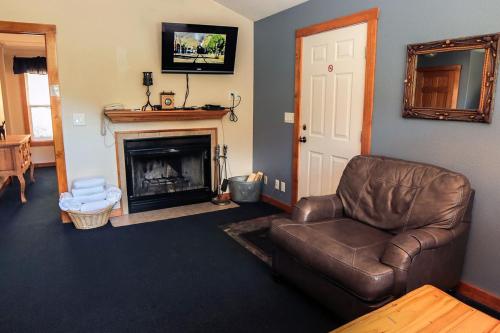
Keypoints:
pixel 343 250
pixel 317 208
pixel 399 195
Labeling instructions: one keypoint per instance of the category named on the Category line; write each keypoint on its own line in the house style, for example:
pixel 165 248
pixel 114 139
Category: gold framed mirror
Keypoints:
pixel 452 79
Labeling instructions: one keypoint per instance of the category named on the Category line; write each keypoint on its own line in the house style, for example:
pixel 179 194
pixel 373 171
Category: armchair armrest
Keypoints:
pixel 402 248
pixel 426 256
pixel 317 208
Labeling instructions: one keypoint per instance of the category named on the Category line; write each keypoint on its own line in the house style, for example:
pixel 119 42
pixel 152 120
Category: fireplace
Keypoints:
pixel 167 171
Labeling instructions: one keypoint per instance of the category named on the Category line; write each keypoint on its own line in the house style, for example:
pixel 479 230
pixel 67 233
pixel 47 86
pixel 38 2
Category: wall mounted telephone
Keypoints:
pixel 114 106
pixel 104 120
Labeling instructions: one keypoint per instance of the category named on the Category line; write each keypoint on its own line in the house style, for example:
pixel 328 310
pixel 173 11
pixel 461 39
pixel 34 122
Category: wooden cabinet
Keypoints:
pixel 15 159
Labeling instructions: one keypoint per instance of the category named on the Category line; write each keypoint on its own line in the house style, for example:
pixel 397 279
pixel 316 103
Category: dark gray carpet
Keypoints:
pixel 182 275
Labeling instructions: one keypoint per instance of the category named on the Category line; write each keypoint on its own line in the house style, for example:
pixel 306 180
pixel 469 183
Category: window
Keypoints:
pixel 39 107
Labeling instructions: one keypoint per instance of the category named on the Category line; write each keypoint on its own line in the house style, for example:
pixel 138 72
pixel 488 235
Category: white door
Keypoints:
pixel 331 110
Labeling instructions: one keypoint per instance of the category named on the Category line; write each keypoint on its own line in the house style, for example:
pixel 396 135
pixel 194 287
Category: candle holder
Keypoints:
pixel 147 80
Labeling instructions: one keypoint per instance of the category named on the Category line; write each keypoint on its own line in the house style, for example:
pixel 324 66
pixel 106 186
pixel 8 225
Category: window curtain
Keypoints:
pixel 36 65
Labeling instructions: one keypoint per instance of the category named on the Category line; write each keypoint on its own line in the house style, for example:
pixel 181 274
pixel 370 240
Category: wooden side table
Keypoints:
pixel 15 159
pixel 426 309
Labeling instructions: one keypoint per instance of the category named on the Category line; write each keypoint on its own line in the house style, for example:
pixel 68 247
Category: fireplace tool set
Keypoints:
pixel 221 171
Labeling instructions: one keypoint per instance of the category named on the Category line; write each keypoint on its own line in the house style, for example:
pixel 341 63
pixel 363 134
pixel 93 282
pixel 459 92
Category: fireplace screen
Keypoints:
pixel 166 172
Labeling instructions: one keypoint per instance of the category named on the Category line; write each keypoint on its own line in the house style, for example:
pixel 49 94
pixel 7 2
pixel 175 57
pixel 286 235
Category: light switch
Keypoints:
pixel 276 184
pixel 282 189
pixel 289 117
pixel 79 119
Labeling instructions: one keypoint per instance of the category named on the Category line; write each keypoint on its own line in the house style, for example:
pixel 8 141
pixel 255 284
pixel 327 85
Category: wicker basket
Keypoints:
pixel 90 220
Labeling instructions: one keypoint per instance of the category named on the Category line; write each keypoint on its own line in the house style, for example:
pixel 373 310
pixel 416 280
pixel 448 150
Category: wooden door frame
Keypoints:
pixel 370 17
pixel 49 32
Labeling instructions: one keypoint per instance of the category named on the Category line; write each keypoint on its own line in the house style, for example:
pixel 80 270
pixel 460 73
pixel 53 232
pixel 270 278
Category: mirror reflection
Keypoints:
pixel 449 80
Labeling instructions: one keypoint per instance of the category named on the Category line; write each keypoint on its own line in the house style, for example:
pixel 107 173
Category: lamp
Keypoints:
pixel 147 80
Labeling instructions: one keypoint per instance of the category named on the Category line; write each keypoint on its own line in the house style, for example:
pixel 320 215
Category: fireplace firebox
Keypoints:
pixel 167 172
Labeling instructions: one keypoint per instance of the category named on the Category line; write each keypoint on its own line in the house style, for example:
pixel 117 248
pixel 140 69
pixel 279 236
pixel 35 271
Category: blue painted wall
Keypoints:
pixel 473 149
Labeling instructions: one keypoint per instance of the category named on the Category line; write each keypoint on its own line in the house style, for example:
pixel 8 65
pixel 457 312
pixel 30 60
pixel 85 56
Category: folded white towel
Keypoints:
pixel 89 182
pixel 96 205
pixel 113 193
pixel 66 202
pixel 77 192
pixel 110 196
pixel 90 198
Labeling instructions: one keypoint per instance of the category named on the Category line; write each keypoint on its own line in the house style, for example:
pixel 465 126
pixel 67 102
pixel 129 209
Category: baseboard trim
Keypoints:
pixel 116 212
pixel 65 217
pixel 45 164
pixel 479 295
pixel 274 202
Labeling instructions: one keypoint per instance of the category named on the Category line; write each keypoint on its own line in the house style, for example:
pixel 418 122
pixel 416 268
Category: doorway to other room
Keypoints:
pixel 30 100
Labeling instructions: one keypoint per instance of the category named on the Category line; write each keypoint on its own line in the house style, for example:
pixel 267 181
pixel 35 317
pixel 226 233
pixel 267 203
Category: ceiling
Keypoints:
pixel 22 42
pixel 258 9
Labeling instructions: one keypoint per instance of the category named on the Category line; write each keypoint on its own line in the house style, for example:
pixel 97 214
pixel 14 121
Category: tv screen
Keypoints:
pixel 195 48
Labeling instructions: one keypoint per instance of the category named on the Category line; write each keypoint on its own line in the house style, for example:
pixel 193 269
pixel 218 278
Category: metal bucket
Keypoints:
pixel 243 191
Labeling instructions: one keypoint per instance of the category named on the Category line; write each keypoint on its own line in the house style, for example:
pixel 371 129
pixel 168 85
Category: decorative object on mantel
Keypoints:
pixel 147 80
pixel 90 202
pixel 452 79
pixel 220 171
pixel 167 100
pixel 128 116
pixel 2 130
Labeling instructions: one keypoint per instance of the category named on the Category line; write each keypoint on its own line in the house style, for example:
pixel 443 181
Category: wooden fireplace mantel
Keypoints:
pixel 129 116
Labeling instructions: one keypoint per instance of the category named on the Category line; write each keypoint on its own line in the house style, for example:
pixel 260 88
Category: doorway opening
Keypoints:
pixel 317 82
pixel 41 110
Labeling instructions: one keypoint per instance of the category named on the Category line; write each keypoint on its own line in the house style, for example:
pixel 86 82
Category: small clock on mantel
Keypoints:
pixel 167 100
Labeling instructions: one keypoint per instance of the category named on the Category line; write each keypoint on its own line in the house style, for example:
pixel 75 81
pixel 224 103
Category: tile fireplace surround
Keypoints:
pixel 128 135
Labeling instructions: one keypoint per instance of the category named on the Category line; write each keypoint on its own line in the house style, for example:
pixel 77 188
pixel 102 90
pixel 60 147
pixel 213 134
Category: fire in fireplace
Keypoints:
pixel 168 171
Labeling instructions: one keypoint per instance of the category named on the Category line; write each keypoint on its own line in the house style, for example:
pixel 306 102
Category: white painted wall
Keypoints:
pixel 103 48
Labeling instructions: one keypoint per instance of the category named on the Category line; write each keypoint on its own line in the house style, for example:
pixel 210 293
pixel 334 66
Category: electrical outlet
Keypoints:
pixel 282 187
pixel 231 93
pixel 265 180
pixel 276 184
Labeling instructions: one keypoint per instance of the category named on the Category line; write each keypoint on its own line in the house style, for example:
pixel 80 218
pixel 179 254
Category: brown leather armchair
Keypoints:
pixel 393 226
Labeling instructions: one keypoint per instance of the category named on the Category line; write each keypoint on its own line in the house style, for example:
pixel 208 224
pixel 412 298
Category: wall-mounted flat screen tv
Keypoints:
pixel 195 48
